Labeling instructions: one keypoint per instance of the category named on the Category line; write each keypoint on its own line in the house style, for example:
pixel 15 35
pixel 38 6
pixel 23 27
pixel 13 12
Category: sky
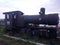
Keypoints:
pixel 29 7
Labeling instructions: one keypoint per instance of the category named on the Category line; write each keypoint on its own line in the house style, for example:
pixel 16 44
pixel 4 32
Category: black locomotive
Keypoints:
pixel 17 22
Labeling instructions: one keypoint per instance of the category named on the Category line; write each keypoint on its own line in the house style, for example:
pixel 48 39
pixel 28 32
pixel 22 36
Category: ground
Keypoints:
pixel 9 41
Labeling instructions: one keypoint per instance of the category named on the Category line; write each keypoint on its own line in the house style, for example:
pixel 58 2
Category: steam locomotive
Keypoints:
pixel 17 22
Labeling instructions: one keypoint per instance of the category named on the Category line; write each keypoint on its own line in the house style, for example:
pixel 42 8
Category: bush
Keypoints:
pixel 2 30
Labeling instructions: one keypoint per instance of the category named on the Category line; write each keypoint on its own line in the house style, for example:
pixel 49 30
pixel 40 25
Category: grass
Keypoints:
pixel 10 41
pixel 14 42
pixel 42 40
pixel 2 30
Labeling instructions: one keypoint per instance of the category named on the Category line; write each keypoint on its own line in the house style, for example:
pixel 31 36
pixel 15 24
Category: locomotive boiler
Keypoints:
pixel 17 22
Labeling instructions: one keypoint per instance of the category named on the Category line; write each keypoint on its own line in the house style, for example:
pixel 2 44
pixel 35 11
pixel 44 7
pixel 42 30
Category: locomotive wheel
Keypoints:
pixel 9 32
pixel 52 34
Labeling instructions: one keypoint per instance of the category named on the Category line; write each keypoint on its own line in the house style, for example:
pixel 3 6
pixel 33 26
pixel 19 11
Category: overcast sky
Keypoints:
pixel 29 6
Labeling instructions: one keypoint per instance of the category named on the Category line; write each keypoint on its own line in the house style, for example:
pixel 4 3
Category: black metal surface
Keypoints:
pixel 50 19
